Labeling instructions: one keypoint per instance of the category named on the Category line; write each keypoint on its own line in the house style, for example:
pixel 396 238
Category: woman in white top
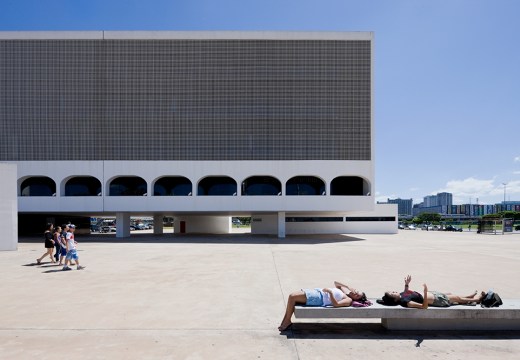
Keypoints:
pixel 340 296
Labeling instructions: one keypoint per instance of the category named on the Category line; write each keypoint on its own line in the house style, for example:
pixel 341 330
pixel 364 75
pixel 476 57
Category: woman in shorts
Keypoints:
pixel 340 295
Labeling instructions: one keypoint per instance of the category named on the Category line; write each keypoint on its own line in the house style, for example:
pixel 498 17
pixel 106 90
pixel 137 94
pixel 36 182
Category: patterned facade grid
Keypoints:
pixel 185 100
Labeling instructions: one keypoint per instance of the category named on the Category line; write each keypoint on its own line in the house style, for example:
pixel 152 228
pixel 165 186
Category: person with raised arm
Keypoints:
pixel 414 299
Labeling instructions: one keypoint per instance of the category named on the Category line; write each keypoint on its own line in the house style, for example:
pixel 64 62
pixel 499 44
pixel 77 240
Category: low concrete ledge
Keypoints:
pixel 459 317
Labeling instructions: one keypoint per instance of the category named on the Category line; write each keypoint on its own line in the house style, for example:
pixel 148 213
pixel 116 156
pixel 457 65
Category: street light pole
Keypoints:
pixel 505 184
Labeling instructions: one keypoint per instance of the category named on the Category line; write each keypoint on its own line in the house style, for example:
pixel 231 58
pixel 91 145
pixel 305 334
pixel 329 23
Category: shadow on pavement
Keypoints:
pixel 54 271
pixel 32 264
pixel 378 332
pixel 209 239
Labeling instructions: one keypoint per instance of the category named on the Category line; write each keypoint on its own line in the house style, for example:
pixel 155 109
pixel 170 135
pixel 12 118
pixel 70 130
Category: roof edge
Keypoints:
pixel 186 35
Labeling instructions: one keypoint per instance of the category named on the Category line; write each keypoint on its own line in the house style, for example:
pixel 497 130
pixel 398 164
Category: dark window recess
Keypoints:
pixel 375 218
pixel 313 219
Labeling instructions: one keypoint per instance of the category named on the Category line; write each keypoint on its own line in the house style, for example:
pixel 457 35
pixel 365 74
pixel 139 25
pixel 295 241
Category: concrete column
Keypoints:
pixel 122 225
pixel 8 207
pixel 281 224
pixel 158 224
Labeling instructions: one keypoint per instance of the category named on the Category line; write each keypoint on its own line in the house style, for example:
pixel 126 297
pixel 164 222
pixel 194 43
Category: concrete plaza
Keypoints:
pixel 222 297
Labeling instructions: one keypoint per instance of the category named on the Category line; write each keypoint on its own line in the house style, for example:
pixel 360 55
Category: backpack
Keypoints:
pixel 491 299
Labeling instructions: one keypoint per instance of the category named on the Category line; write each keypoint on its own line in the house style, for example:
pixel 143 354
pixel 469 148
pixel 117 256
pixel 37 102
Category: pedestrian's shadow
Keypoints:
pixel 42 264
pixel 32 264
pixel 52 271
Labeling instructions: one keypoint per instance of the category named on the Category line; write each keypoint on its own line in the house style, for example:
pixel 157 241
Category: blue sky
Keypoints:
pixel 447 75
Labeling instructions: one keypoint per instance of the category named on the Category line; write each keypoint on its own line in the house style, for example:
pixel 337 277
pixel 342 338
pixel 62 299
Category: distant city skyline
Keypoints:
pixel 442 203
pixel 470 200
pixel 466 192
pixel 446 76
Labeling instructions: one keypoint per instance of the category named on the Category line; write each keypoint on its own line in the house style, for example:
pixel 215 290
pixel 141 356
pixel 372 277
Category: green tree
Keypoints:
pixel 429 218
pixel 504 214
pixel 510 215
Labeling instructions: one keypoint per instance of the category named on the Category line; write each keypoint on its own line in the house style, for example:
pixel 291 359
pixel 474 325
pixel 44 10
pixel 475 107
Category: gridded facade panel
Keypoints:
pixel 185 100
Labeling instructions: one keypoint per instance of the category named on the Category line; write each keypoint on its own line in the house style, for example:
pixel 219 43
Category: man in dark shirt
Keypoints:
pixel 408 295
pixel 407 298
pixel 413 299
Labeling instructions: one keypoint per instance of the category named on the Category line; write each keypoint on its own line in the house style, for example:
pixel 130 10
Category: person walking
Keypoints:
pixel 64 231
pixel 72 254
pixel 57 243
pixel 49 244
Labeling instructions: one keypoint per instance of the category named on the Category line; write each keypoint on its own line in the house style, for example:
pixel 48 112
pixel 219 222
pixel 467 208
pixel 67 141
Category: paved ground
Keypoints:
pixel 222 297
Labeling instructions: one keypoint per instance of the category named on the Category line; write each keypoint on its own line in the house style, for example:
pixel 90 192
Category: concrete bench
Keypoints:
pixel 458 317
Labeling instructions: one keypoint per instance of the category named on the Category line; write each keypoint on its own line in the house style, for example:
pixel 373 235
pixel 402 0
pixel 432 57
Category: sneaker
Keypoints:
pixel 80 267
pixel 65 268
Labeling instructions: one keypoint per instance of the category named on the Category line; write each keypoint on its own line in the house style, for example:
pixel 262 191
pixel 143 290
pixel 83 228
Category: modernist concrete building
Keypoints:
pixel 8 208
pixel 200 126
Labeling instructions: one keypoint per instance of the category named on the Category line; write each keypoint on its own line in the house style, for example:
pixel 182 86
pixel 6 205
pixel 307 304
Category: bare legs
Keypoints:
pixel 69 262
pixel 48 252
pixel 462 300
pixel 297 297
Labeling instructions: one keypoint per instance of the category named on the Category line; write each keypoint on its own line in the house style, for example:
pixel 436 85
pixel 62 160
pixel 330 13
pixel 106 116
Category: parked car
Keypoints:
pixel 411 227
pixel 453 228
pixel 141 226
pixel 108 228
pixel 236 221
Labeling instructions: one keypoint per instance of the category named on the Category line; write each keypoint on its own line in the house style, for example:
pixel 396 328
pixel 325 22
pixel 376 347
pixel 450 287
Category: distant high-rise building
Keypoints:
pixel 430 200
pixel 441 199
pixel 404 206
pixel 444 199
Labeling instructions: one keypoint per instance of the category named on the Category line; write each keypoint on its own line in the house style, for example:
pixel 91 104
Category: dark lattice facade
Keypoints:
pixel 185 100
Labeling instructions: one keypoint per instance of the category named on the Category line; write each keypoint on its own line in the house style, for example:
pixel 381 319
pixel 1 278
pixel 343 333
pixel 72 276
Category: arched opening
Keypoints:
pixel 305 185
pixel 172 186
pixel 83 186
pixel 128 186
pixel 261 185
pixel 217 185
pixel 38 186
pixel 349 185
